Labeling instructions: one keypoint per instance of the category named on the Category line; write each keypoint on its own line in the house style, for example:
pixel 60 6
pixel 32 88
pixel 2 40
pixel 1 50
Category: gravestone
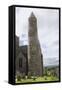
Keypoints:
pixel 35 57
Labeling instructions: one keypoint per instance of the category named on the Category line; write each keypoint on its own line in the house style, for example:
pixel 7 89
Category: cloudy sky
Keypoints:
pixel 48 31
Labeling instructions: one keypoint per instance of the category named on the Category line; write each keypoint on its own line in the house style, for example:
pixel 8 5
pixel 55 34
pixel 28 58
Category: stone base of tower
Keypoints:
pixel 35 72
pixel 35 60
pixel 35 68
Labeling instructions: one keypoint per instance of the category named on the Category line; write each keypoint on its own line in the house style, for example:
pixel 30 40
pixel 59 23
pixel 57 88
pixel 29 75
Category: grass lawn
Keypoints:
pixel 38 79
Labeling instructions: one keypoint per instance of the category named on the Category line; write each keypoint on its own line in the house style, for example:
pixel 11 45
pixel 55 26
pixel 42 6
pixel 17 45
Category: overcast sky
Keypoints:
pixel 48 31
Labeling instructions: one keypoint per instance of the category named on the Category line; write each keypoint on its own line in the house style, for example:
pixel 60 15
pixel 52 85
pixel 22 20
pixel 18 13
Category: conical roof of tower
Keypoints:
pixel 32 15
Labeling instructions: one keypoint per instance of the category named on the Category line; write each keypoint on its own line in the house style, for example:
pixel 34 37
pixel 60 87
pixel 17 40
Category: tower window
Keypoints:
pixel 20 62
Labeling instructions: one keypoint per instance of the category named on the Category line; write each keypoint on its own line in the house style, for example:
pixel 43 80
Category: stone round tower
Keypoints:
pixel 35 57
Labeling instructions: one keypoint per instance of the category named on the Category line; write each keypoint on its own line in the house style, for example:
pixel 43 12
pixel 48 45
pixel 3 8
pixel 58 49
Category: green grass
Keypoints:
pixel 38 79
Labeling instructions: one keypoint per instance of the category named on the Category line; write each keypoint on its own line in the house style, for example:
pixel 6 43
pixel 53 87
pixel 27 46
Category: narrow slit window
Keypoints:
pixel 20 63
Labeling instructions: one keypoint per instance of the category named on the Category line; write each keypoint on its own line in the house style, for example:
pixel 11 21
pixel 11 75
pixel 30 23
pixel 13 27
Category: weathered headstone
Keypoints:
pixel 35 57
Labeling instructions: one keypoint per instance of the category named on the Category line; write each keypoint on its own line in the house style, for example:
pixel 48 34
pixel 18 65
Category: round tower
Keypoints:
pixel 35 60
